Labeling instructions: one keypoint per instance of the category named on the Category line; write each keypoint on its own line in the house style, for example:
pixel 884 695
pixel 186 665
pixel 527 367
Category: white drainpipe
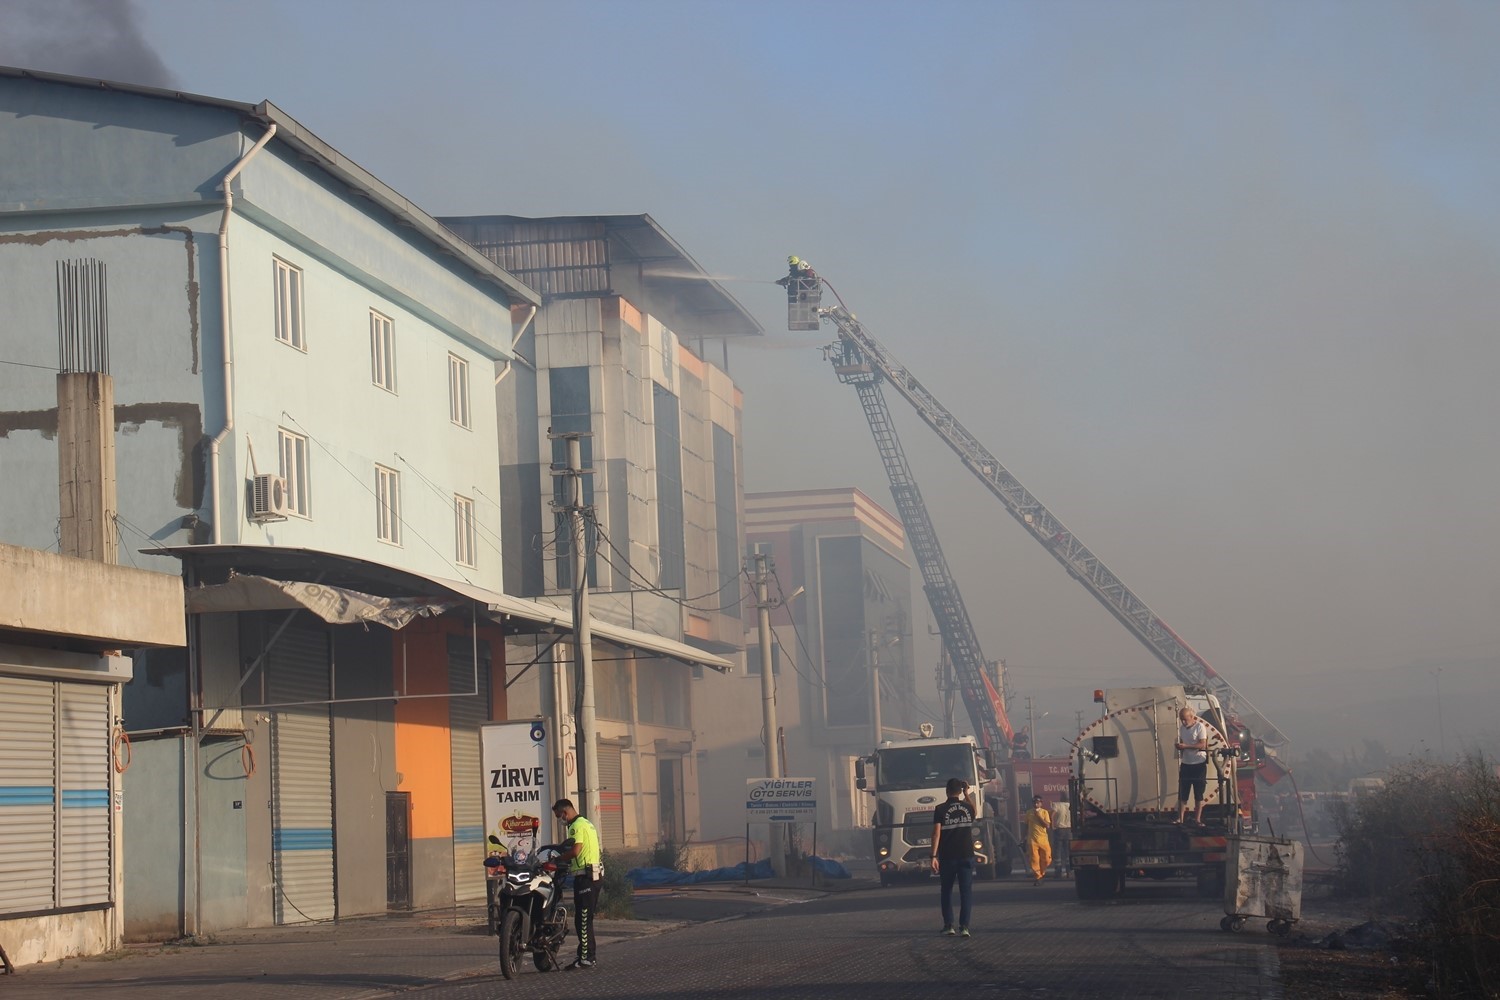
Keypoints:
pixel 519 334
pixel 224 328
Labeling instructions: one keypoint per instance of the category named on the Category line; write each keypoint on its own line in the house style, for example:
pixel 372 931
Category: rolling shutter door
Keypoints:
pixel 56 824
pixel 611 800
pixel 28 838
pixel 84 875
pixel 466 713
pixel 301 795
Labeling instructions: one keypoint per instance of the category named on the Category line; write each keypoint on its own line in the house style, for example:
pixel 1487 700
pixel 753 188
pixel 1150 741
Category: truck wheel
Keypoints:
pixel 1086 883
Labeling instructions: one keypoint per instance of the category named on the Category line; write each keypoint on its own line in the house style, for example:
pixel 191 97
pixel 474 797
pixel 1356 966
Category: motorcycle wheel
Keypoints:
pixel 511 944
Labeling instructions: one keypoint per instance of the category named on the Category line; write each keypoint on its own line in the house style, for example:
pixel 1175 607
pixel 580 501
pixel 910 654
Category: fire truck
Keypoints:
pixel 861 361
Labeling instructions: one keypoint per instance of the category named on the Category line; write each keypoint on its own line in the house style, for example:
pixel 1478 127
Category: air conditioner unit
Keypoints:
pixel 268 498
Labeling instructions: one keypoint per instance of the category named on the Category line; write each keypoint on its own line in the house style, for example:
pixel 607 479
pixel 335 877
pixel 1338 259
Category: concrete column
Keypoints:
pixel 86 466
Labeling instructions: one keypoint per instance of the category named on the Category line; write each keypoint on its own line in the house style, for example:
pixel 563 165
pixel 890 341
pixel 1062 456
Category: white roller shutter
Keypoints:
pixel 466 713
pixel 84 818
pixel 28 837
pixel 611 821
pixel 301 762
pixel 56 824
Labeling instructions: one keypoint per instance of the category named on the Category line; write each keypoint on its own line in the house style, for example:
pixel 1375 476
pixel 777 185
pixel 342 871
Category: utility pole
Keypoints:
pixel 1030 724
pixel 761 575
pixel 586 747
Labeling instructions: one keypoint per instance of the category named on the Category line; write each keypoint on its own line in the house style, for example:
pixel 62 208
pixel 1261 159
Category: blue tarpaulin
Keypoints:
pixel 650 877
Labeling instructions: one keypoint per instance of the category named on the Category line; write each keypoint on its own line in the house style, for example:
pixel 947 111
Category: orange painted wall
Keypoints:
pixel 420 662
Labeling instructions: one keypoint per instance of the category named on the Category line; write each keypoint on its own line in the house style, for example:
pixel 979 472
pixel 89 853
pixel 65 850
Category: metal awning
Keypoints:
pixel 262 578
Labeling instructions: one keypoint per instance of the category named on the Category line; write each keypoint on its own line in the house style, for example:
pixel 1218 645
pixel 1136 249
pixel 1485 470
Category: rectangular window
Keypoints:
pixel 670 530
pixel 726 511
pixel 382 351
pixel 387 505
pixel 464 532
pixel 293 448
pixel 458 390
pixel 288 303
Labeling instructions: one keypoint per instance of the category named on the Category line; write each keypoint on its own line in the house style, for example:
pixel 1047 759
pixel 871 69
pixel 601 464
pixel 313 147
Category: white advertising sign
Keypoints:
pixel 781 800
pixel 516 787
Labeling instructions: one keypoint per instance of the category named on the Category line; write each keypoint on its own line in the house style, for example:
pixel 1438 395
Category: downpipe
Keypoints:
pixel 225 338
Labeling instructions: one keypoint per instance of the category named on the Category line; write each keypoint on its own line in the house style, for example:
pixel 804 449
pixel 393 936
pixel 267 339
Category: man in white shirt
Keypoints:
pixel 1192 773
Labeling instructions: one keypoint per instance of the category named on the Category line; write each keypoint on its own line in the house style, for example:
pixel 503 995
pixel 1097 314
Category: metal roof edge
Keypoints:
pixel 298 136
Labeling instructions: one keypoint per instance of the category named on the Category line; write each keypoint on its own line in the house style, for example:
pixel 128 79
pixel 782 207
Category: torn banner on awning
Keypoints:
pixel 335 605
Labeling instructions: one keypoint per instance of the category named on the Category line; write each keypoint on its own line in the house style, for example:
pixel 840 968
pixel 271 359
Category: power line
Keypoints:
pixel 629 570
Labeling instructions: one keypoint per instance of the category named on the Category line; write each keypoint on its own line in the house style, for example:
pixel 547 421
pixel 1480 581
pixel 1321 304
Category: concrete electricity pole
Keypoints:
pixel 761 576
pixel 586 747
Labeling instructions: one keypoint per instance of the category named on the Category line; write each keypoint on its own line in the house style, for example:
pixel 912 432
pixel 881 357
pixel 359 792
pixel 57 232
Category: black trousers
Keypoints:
pixel 585 899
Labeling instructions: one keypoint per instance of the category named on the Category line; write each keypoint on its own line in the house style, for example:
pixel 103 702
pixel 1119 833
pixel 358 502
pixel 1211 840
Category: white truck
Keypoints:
pixel 1124 794
pixel 910 781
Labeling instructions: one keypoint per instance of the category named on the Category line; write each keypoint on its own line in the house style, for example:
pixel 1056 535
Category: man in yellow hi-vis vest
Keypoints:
pixel 586 864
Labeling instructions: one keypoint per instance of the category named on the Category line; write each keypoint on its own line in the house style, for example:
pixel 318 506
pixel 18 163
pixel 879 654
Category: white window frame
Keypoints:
pixel 287 304
pixel 387 505
pixel 465 532
pixel 293 450
pixel 383 351
pixel 458 391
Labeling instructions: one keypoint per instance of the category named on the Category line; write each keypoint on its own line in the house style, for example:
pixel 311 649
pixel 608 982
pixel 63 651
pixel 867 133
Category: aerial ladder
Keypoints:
pixel 981 695
pixel 862 361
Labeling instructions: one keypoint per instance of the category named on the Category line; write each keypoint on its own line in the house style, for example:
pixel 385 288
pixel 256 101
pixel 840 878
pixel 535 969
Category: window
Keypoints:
pixel 463 531
pixel 670 530
pixel 288 304
pixel 458 390
pixel 388 505
pixel 382 351
pixel 293 448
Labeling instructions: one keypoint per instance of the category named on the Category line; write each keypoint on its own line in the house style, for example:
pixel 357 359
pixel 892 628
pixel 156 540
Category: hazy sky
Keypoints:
pixel 1216 281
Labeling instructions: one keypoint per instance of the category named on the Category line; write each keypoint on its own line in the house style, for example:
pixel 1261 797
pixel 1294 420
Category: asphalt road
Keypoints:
pixel 724 942
pixel 1159 941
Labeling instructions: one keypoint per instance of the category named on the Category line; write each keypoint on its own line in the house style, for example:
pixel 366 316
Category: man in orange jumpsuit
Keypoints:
pixel 1038 839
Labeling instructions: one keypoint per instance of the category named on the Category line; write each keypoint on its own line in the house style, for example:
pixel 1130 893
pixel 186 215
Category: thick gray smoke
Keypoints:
pixel 99 39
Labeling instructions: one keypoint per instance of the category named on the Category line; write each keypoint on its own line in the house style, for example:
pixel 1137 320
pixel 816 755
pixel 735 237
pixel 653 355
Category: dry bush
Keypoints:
pixel 1428 844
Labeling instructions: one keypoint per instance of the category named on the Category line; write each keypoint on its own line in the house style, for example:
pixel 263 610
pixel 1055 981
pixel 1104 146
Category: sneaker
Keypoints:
pixel 1037 882
pixel 581 963
pixel 948 931
pixel 963 932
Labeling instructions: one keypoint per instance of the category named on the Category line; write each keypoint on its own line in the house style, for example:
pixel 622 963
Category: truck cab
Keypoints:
pixel 909 781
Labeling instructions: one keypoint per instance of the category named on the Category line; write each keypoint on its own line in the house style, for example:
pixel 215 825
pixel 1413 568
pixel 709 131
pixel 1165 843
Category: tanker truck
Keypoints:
pixel 1123 794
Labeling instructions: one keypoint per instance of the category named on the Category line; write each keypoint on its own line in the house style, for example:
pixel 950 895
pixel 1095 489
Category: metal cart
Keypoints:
pixel 1263 878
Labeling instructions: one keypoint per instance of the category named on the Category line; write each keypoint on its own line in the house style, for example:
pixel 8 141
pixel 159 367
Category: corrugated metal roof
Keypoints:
pixel 346 171
pixel 351 572
pixel 629 255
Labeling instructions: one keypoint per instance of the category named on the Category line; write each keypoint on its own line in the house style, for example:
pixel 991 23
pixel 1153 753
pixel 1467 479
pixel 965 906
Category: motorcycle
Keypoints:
pixel 525 905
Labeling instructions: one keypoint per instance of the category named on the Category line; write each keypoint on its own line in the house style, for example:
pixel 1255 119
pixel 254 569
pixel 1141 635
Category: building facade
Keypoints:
pixel 844 635
pixel 303 365
pixel 622 351
pixel 63 757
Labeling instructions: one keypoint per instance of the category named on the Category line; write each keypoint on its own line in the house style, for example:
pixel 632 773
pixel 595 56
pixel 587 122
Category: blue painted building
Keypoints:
pixel 304 424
